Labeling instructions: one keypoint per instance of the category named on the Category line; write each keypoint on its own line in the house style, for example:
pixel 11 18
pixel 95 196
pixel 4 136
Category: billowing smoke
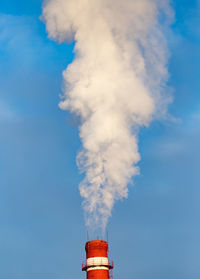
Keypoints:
pixel 116 84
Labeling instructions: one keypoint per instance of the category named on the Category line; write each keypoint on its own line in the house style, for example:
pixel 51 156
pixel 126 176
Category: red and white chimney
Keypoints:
pixel 97 264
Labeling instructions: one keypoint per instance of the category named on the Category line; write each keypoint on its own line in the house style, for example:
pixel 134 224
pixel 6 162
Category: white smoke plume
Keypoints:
pixel 116 84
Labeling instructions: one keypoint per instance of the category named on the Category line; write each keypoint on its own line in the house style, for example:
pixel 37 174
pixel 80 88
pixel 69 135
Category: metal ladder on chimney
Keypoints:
pixel 111 274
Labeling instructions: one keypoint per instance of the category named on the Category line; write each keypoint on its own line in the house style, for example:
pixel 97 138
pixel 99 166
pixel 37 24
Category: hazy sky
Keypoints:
pixel 153 234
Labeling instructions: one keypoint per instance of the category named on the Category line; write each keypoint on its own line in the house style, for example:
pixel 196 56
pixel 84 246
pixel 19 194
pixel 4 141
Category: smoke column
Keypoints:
pixel 116 85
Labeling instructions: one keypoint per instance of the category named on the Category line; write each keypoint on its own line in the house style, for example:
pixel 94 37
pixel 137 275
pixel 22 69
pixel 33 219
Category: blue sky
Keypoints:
pixel 155 233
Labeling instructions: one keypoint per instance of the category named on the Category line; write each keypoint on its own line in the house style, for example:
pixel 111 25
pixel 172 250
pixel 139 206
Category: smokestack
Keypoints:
pixel 97 265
